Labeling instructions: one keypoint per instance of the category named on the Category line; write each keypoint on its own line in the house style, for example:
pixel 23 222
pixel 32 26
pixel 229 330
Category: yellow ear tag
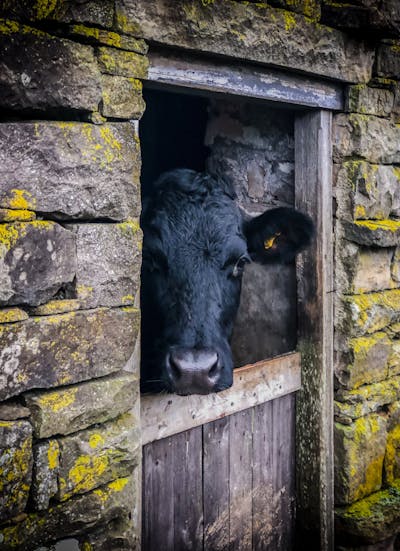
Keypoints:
pixel 269 243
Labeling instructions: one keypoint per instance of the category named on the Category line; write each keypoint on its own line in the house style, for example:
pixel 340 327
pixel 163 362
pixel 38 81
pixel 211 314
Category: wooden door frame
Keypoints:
pixel 313 194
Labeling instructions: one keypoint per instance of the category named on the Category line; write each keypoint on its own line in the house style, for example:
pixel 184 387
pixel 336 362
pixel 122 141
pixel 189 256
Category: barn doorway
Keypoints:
pixel 219 471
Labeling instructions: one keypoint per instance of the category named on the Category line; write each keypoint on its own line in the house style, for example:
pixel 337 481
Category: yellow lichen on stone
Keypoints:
pixel 360 212
pixel 96 440
pixel 85 473
pixel 11 315
pixel 115 486
pixel 21 200
pixel 56 307
pixel 10 27
pixel 56 400
pixel 44 8
pixel 9 235
pixel 389 225
pixel 290 21
pixel 11 215
pixel 53 454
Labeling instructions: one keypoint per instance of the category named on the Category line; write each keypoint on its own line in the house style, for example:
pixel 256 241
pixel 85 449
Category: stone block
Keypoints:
pixel 365 360
pixel 122 63
pixel 36 260
pixel 97 12
pixel 392 455
pixel 394 360
pixel 122 97
pixel 71 518
pixel 95 456
pixel 46 456
pixel 370 520
pixel 361 269
pixel 56 306
pixel 108 259
pixel 15 467
pixel 373 233
pixel 395 266
pixel 250 31
pixel 49 351
pixel 45 73
pixel 10 411
pixel 363 16
pixel 365 136
pixel 367 191
pixel 360 314
pixel 74 408
pixel 388 59
pixel 352 404
pixel 369 100
pixel 87 171
pixel 109 38
pixel 359 454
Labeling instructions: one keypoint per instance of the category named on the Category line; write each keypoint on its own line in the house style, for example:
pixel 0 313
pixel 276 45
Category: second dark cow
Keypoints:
pixel 196 245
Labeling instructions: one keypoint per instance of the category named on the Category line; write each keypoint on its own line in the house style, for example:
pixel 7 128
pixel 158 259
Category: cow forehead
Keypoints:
pixel 214 223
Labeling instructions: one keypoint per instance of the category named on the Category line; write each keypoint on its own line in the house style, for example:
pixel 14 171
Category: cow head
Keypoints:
pixel 196 245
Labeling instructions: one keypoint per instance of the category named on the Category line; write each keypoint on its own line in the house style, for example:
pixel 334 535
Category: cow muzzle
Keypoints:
pixel 193 371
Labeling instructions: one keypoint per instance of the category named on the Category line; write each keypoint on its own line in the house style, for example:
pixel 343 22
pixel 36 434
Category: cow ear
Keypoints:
pixel 277 235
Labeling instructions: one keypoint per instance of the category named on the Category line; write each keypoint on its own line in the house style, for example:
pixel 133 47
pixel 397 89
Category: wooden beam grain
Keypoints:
pixel 165 414
pixel 313 167
pixel 212 76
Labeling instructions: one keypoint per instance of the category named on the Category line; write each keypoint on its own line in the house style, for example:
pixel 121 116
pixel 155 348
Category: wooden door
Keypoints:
pixel 219 470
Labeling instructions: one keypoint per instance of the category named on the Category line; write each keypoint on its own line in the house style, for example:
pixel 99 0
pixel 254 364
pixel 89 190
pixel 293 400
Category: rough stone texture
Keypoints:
pixel 392 456
pixel 254 148
pixel 373 138
pixel 15 466
pixel 360 314
pixel 369 100
pixel 352 404
pixel 41 72
pixel 122 97
pixel 74 408
pixel 74 517
pixel 87 171
pixel 36 260
pixel 249 31
pixel 359 454
pixel 310 8
pixel 367 191
pixel 98 12
pixel 56 306
pixel 360 269
pixel 46 457
pixel 109 38
pixel 377 233
pixel 388 59
pixel 366 16
pixel 124 64
pixel 10 411
pixel 364 361
pixel 370 520
pixel 395 268
pixel 108 257
pixel 95 456
pixel 44 352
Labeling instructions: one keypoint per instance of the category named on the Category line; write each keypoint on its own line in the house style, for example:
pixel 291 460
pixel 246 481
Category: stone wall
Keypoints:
pixel 70 88
pixel 70 246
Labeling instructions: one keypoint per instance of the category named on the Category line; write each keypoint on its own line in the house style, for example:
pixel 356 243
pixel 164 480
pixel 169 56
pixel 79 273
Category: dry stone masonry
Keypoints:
pixel 71 94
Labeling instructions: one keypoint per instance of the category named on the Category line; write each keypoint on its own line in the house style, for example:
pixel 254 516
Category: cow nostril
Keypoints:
pixel 215 368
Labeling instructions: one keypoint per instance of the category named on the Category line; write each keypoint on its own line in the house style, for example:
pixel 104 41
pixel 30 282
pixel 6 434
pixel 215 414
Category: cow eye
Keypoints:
pixel 239 266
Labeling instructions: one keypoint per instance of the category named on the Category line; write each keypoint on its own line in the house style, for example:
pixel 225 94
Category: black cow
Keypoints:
pixel 196 244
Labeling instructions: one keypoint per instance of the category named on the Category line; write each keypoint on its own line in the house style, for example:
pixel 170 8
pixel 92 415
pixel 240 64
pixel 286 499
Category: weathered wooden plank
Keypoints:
pixel 214 76
pixel 262 493
pixel 315 401
pixel 188 490
pixel 216 485
pixel 158 496
pixel 165 414
pixel 240 481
